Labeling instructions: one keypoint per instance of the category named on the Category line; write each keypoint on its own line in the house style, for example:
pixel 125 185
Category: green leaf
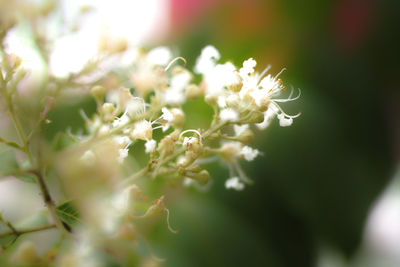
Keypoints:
pixel 67 213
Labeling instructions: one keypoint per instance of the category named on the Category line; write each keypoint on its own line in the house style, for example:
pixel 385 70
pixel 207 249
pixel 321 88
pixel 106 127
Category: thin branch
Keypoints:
pixel 19 232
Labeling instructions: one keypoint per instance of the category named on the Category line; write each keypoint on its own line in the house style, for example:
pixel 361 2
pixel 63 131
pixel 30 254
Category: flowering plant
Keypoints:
pixel 136 134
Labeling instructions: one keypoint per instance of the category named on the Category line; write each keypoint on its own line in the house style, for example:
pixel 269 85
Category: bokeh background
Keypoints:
pixel 326 190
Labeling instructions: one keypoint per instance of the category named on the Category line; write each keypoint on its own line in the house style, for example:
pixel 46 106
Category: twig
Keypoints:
pixel 27 230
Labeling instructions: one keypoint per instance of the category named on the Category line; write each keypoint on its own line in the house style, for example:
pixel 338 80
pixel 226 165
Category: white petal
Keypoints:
pixel 283 121
pixel 249 153
pixel 159 56
pixel 229 114
pixel 150 146
pixel 234 183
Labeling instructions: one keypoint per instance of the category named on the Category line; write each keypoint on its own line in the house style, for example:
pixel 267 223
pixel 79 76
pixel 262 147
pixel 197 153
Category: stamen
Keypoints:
pixel 289 99
pixel 83 114
pixel 281 110
pixel 174 60
pixel 169 225
pixel 263 73
pixel 276 76
pixel 193 131
pixel 241 173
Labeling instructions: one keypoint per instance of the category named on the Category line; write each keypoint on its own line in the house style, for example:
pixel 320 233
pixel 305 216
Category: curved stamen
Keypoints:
pixel 192 131
pixel 289 99
pixel 174 60
pixel 283 112
pixel 276 76
pixel 263 73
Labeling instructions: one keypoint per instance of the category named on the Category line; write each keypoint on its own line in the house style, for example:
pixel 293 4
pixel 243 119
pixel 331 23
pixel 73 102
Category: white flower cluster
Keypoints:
pixel 238 92
pixel 240 98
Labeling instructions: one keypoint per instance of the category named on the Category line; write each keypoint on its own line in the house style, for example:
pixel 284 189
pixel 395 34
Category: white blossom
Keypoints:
pixel 122 140
pixel 234 183
pixel 135 106
pixel 122 154
pixel 123 120
pixel 249 153
pixel 159 56
pixel 166 114
pixel 269 114
pixel 206 62
pixel 142 130
pixel 248 68
pixel 150 146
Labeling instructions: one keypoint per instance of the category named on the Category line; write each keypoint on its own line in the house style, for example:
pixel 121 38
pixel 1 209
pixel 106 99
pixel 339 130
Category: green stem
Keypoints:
pixel 39 176
pixel 26 231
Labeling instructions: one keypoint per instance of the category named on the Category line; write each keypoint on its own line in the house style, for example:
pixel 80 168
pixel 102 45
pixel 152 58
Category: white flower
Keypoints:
pixel 229 114
pixel 221 101
pixel 174 117
pixel 88 158
pixel 135 106
pixel 175 95
pixel 142 130
pixel 166 114
pixel 249 153
pixel 271 85
pixel 159 56
pixel 248 68
pixel 269 114
pixel 206 62
pixel 122 154
pixel 150 146
pixel 123 120
pixel 234 183
pixel 122 140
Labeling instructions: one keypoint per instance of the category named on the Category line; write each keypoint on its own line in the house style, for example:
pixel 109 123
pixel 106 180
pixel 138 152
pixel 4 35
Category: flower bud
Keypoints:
pixel 26 254
pixel 166 145
pixel 142 130
pixel 14 60
pixel 211 99
pixel 107 109
pixel 237 84
pixel 194 148
pixel 193 91
pixel 229 151
pixel 178 118
pixel 202 177
pixel 263 103
pixel 98 92
pixel 246 137
pixel 255 117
